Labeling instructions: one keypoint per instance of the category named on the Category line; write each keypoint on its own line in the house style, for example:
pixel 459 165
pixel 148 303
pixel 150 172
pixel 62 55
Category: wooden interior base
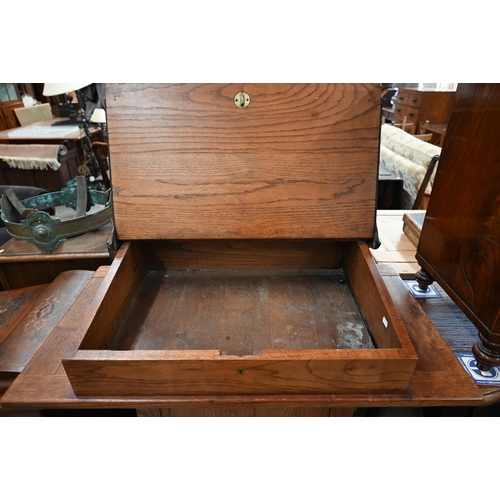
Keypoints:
pixel 241 313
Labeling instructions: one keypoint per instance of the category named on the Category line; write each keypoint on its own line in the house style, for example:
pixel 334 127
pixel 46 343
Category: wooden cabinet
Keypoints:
pixel 459 245
pixel 11 99
pixel 419 106
pixel 8 118
pixel 51 180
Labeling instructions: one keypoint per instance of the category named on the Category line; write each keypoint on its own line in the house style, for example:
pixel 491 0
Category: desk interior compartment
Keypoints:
pixel 162 332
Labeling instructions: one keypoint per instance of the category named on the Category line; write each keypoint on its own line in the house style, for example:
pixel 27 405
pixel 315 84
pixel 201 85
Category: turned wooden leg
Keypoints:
pixel 487 353
pixel 424 279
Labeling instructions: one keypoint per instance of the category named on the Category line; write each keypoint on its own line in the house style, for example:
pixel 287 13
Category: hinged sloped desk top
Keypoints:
pixel 300 161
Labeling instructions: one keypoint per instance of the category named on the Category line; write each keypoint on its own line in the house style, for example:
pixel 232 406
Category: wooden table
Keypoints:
pixel 44 133
pixel 33 133
pixel 439 379
pixel 22 264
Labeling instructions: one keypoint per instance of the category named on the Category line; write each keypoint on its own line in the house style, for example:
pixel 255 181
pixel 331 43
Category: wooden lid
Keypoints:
pixel 188 162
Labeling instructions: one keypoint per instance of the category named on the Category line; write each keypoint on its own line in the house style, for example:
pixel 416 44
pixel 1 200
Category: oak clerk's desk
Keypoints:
pixel 439 379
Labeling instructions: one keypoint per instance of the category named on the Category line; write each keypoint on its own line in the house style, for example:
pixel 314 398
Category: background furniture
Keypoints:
pixel 70 156
pixel 101 151
pixel 421 105
pixel 437 131
pixel 389 190
pixel 22 264
pixel 34 114
pixel 412 160
pixel 387 101
pixel 459 245
pixel 10 100
pixel 396 249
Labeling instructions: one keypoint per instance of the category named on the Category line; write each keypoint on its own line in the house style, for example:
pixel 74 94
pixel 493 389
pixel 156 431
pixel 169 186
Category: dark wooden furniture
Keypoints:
pixel 8 118
pixel 101 151
pixel 10 100
pixel 22 264
pixel 436 130
pixel 389 189
pixel 50 180
pixel 459 246
pixel 70 157
pixel 421 105
pixel 422 198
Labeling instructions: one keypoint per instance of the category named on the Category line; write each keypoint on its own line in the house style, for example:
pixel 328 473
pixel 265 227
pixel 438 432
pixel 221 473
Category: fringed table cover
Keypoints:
pixel 31 156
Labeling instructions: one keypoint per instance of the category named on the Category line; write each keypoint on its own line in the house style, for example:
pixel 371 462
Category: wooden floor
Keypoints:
pixel 396 248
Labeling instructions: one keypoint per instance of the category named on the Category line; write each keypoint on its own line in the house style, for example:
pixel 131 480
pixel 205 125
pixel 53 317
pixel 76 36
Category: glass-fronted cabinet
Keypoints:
pixel 11 99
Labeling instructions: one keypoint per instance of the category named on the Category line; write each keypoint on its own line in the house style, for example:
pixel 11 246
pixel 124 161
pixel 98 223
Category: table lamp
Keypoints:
pixel 99 116
pixel 52 89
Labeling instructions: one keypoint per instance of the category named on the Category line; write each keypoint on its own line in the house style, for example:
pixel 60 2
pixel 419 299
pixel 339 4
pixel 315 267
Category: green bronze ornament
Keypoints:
pixel 28 221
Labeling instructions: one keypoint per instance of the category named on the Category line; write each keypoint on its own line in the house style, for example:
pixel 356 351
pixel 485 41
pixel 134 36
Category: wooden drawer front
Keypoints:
pixel 406 98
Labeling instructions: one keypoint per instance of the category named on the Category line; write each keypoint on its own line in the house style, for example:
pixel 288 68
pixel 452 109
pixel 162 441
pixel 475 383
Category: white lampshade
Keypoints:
pixel 50 89
pixel 98 116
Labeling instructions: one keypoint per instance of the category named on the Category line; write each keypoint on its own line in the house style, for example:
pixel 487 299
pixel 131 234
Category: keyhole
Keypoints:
pixel 241 99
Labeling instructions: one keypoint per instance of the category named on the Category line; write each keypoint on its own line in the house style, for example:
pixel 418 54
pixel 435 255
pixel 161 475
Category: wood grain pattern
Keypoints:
pixel 374 300
pixel 244 254
pixel 120 285
pixel 188 164
pixel 68 333
pixel 239 411
pixel 242 312
pixel 426 389
pixel 164 373
pixel 431 350
pixel 13 305
pixel 47 308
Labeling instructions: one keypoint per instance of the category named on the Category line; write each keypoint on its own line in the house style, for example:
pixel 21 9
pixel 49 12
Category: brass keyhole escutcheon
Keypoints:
pixel 241 100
